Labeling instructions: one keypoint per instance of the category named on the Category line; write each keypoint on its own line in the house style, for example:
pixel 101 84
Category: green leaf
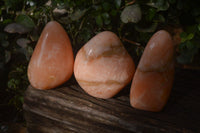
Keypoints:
pixel 59 12
pixel 21 99
pixel 188 50
pixel 186 37
pixel 199 27
pixel 22 42
pixel 106 6
pixel 190 36
pixel 16 28
pixel 2 36
pixel 131 14
pixel 183 35
pixel 196 12
pixel 4 43
pixel 107 21
pixel 118 3
pixel 28 53
pixel 34 35
pixel 172 1
pixel 25 20
pixel 151 28
pixel 113 12
pixel 13 83
pixel 197 19
pixel 19 69
pixel 99 21
pixel 106 18
pixel 7 21
pixel 161 5
pixel 151 14
pixel 190 28
pixel 139 51
pixel 184 58
pixel 105 15
pixel 161 18
pixel 7 56
pixel 85 34
pixel 77 14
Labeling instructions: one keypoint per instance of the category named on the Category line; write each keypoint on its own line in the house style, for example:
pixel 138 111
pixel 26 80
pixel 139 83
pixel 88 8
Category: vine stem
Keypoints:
pixel 132 42
pixel 188 67
pixel 129 3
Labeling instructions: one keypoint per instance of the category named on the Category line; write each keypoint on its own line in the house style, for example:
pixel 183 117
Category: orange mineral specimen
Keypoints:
pixel 103 66
pixel 154 76
pixel 52 61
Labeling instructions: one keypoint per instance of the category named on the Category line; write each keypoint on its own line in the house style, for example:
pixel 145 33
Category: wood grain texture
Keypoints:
pixel 69 109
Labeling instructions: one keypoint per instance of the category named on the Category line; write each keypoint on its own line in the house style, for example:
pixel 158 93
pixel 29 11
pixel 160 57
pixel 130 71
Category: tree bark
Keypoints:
pixel 69 109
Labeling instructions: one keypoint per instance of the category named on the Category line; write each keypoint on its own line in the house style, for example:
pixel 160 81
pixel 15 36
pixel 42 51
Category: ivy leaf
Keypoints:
pixel 106 6
pixel 187 50
pixel 2 36
pixel 172 1
pixel 186 37
pixel 16 28
pixel 113 12
pixel 105 15
pixel 28 52
pixel 7 56
pixel 99 21
pixel 151 13
pixel 190 36
pixel 161 5
pixel 151 28
pixel 131 14
pixel 85 34
pixel 78 14
pixel 58 12
pixel 106 18
pixel 199 27
pixel 118 3
pixel 4 43
pixel 22 42
pixel 161 18
pixel 7 21
pixel 34 35
pixel 73 16
pixel 184 58
pixel 25 20
pixel 183 35
pixel 1 66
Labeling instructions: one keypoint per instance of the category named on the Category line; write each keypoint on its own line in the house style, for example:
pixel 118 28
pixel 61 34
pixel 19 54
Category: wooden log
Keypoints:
pixel 70 109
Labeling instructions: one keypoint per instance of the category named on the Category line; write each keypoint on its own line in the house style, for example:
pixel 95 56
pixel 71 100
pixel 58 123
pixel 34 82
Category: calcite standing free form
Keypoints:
pixel 154 75
pixel 52 61
pixel 103 66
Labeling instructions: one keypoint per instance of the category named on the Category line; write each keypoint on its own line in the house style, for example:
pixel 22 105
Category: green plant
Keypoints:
pixel 22 21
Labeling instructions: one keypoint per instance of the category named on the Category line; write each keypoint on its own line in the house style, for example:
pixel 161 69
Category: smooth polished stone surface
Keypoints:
pixel 103 66
pixel 154 75
pixel 52 61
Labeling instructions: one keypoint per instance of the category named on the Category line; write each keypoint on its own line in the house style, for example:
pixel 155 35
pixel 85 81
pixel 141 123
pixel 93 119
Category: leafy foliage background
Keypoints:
pixel 21 22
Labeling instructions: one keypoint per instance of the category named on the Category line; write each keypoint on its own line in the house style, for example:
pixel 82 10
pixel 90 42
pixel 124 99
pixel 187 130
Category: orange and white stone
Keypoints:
pixel 154 76
pixel 52 61
pixel 103 66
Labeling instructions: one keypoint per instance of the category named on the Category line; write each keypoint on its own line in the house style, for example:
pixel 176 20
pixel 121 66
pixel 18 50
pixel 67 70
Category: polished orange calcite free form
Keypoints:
pixel 154 76
pixel 52 61
pixel 103 66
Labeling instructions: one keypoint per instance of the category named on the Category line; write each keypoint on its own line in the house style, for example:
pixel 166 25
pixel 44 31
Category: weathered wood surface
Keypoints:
pixel 70 109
